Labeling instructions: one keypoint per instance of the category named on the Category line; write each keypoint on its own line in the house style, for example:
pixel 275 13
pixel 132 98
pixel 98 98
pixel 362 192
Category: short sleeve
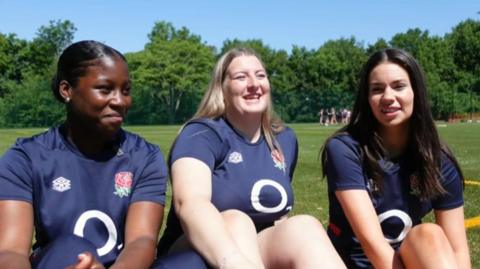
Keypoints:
pixel 16 175
pixel 289 145
pixel 344 169
pixel 152 183
pixel 198 141
pixel 293 163
pixel 452 183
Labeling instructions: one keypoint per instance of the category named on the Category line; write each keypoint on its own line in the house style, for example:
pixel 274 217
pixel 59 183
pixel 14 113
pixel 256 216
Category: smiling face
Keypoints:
pixel 246 87
pixel 390 95
pixel 101 98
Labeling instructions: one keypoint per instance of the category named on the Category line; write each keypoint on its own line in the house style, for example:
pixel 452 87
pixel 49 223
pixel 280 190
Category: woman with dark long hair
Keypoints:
pixel 387 169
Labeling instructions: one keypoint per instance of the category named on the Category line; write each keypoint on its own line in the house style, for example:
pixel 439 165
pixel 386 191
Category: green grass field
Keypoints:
pixel 310 188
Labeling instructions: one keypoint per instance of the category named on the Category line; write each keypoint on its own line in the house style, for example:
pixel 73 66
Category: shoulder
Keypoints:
pixel 287 133
pixel 48 140
pixel 287 137
pixel 134 143
pixel 205 126
pixel 342 142
pixel 448 167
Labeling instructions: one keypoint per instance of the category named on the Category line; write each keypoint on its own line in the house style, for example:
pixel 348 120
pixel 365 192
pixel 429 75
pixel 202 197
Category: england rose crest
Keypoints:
pixel 278 160
pixel 123 184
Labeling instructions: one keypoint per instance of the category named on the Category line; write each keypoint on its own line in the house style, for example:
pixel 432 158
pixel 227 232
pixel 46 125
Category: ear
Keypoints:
pixel 65 90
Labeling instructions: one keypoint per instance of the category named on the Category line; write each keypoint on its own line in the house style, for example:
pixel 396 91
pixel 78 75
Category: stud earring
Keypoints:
pixel 67 99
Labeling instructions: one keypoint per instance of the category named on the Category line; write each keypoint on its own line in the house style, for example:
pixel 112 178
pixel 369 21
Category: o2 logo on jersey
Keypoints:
pixel 404 217
pixel 395 213
pixel 255 196
pixel 106 220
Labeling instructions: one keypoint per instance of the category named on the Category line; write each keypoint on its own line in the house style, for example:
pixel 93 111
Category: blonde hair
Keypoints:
pixel 213 106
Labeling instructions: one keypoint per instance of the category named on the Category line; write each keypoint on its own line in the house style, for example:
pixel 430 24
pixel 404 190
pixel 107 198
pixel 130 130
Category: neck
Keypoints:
pixel 395 139
pixel 249 126
pixel 87 141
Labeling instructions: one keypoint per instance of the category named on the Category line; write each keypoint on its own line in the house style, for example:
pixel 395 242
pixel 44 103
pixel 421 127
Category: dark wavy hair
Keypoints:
pixel 424 148
pixel 75 59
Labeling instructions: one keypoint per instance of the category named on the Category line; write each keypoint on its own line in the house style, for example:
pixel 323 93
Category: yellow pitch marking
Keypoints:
pixel 475 221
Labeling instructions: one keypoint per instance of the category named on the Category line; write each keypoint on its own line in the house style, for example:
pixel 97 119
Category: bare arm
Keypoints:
pixel 144 220
pixel 201 221
pixel 452 223
pixel 16 231
pixel 359 210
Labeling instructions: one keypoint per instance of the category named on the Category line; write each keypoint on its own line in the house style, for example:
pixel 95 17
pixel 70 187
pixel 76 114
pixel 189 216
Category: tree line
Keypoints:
pixel 171 73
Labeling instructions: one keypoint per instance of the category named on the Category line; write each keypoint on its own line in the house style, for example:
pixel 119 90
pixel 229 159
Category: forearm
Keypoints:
pixel 463 259
pixel 139 253
pixel 381 254
pixel 205 228
pixel 10 259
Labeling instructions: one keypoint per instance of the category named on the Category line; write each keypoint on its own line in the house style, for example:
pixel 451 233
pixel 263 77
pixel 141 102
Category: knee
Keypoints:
pixel 303 226
pixel 237 220
pixel 428 235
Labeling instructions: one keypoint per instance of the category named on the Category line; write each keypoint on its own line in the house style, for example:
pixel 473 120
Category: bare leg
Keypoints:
pixel 426 246
pixel 298 242
pixel 242 230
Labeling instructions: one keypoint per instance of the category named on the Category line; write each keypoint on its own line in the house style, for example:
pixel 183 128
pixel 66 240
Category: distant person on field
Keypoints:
pixel 320 116
pixel 333 116
pixel 387 169
pixel 232 167
pixel 93 192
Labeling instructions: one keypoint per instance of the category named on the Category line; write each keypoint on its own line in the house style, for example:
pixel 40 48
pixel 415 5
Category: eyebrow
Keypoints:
pixel 382 83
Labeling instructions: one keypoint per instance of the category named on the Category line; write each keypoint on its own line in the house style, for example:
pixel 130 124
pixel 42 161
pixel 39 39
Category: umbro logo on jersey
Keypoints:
pixel 61 184
pixel 235 157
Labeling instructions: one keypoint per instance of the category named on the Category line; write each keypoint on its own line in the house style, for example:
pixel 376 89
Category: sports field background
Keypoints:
pixel 310 188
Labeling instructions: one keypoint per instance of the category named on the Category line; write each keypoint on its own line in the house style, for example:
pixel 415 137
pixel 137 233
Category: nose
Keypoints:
pixel 388 95
pixel 253 82
pixel 119 99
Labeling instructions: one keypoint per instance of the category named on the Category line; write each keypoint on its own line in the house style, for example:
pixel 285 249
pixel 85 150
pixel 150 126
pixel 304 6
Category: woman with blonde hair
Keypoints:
pixel 231 169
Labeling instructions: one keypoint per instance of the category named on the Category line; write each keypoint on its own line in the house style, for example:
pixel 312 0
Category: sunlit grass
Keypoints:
pixel 310 188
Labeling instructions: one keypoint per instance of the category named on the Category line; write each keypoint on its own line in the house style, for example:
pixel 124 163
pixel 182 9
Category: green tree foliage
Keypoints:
pixel 30 104
pixel 26 69
pixel 12 50
pixel 47 45
pixel 169 75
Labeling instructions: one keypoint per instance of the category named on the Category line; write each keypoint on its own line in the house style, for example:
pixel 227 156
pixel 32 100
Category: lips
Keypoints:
pixel 115 118
pixel 388 110
pixel 252 96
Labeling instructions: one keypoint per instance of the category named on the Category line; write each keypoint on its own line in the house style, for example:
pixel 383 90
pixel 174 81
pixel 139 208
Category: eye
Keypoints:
pixel 126 91
pixel 240 77
pixel 400 86
pixel 376 89
pixel 104 88
pixel 261 75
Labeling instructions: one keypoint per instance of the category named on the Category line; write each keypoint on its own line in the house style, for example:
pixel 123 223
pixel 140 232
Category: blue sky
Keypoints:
pixel 125 25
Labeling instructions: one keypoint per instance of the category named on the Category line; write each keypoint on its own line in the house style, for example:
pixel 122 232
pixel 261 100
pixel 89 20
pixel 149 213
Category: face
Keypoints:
pixel 246 87
pixel 391 95
pixel 101 98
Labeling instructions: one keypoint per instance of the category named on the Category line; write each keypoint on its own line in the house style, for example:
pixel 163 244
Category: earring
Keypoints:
pixel 67 99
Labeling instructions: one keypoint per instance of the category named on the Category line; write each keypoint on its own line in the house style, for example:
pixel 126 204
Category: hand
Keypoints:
pixel 86 261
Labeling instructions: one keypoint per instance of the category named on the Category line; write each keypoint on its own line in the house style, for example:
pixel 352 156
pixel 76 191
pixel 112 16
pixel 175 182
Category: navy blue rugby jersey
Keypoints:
pixel 397 207
pixel 245 176
pixel 74 194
